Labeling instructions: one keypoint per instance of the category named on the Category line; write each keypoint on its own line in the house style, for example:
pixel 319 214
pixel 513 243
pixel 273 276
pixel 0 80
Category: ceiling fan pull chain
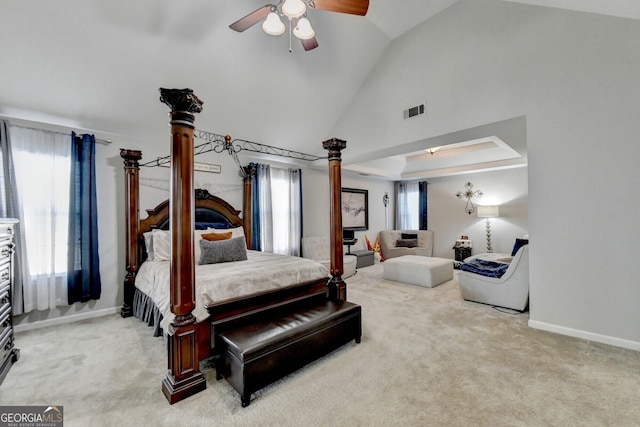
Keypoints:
pixel 290 48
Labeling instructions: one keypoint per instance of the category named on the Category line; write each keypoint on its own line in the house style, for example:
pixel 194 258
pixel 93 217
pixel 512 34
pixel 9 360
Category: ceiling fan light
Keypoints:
pixel 303 30
pixel 273 25
pixel 293 8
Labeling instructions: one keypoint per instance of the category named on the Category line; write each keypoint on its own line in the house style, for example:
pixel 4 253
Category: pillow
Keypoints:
pixel 161 245
pixel 406 243
pixel 148 244
pixel 223 251
pixel 519 243
pixel 197 236
pixel 235 232
pixel 405 236
pixel 217 236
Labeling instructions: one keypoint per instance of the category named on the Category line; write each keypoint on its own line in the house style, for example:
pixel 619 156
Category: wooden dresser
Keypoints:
pixel 8 353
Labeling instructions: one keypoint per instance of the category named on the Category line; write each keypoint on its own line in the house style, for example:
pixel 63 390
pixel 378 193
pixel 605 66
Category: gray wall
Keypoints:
pixel 448 219
pixel 574 76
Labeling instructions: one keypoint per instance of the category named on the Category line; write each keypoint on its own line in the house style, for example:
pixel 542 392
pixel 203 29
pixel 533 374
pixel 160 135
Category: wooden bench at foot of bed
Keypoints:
pixel 258 350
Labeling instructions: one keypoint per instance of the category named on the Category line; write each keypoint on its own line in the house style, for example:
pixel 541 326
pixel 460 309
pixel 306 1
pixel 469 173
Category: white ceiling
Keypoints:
pixel 394 20
pixel 460 157
pixel 96 65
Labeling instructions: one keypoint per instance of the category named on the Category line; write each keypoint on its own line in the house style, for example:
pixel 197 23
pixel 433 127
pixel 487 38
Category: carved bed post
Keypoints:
pixel 184 377
pixel 337 286
pixel 247 203
pixel 132 225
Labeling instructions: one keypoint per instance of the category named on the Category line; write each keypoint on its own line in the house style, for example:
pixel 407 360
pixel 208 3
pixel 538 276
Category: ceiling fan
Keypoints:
pixel 295 11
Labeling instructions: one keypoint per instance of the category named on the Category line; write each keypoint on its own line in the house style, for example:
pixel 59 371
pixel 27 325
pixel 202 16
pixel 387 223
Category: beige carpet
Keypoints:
pixel 426 358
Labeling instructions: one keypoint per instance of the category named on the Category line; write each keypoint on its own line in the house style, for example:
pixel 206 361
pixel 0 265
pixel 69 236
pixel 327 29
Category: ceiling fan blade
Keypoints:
pixel 251 19
pixel 353 7
pixel 309 43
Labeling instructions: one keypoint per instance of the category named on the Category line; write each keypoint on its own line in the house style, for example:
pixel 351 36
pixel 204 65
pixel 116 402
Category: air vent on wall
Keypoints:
pixel 414 111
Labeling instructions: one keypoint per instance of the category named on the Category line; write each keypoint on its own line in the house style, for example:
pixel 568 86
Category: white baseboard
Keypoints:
pixel 66 319
pixel 589 336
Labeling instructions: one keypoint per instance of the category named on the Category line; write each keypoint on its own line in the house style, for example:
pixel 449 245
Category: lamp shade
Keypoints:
pixel 273 25
pixel 303 30
pixel 293 8
pixel 488 211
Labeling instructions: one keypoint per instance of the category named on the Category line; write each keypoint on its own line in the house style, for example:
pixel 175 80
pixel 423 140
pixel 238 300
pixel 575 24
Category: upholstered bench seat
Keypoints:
pixel 257 353
pixel 418 270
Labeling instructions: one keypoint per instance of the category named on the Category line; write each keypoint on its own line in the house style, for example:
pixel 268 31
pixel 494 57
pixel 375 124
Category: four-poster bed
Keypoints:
pixel 192 338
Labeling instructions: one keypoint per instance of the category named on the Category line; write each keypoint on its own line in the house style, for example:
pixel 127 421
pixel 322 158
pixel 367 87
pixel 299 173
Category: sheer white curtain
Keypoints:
pixel 42 166
pixel 265 208
pixel 407 206
pixel 11 207
pixel 280 210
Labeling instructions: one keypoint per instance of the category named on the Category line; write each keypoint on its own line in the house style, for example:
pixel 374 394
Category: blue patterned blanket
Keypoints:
pixel 485 268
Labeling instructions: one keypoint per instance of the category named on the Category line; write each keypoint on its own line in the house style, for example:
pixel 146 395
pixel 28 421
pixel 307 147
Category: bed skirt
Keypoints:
pixel 145 310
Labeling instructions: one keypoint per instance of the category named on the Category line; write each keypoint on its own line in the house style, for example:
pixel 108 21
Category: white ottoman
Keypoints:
pixel 418 270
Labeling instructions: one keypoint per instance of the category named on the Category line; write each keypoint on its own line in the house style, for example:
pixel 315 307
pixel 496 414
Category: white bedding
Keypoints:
pixel 217 282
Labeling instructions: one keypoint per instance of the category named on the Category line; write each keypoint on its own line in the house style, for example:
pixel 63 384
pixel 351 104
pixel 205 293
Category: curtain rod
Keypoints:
pixel 98 140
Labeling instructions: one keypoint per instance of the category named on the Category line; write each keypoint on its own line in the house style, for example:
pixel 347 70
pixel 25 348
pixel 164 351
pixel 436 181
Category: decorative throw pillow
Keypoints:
pixel 406 243
pixel 519 243
pixel 223 251
pixel 235 232
pixel 405 236
pixel 197 236
pixel 213 237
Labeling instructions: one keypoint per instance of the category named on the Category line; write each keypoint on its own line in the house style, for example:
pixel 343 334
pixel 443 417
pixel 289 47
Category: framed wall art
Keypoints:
pixel 355 209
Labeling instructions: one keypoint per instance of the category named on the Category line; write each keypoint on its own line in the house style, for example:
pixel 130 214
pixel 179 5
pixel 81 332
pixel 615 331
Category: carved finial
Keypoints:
pixel 250 170
pixel 202 194
pixel 334 146
pixel 131 157
pixel 181 100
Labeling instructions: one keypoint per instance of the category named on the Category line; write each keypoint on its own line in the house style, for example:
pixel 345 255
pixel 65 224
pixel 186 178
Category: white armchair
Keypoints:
pixel 318 248
pixel 510 291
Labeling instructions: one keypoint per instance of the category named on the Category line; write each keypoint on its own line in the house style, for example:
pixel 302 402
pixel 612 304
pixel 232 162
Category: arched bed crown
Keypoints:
pixel 210 211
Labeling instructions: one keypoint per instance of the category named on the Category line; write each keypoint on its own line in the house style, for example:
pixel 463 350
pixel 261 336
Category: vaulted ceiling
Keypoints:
pixel 97 65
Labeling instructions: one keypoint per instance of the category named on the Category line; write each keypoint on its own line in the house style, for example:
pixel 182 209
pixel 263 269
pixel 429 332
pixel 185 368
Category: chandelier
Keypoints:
pixel 296 12
pixel 469 194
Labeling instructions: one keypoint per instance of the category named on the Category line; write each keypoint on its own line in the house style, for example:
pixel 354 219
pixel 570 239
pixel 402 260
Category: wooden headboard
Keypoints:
pixel 210 211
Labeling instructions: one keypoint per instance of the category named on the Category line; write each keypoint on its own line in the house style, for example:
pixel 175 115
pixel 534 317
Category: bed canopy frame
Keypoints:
pixel 189 342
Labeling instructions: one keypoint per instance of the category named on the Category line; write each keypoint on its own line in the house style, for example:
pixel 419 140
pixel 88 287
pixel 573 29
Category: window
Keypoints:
pixel 279 212
pixel 42 163
pixel 285 210
pixel 411 205
pixel 408 215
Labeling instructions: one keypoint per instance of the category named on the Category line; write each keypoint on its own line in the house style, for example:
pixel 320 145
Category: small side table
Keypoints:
pixel 462 253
